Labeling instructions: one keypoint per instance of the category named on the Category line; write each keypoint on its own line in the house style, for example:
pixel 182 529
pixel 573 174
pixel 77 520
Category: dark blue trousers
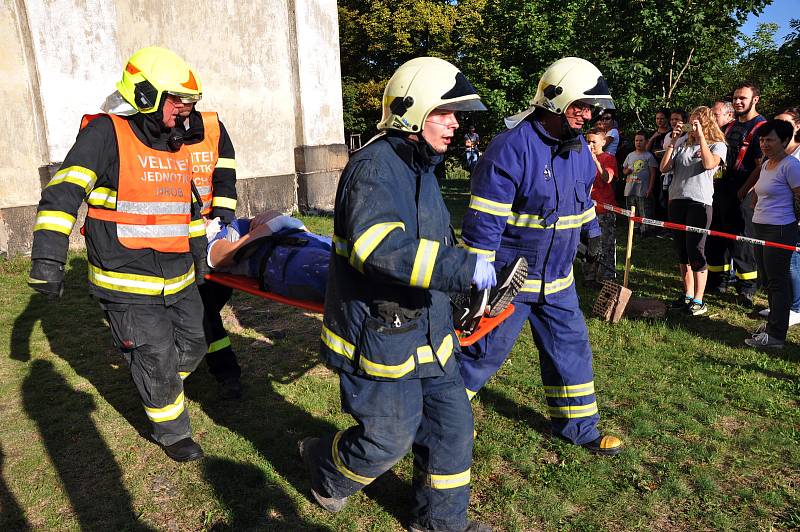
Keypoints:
pixel 220 357
pixel 565 357
pixel 432 416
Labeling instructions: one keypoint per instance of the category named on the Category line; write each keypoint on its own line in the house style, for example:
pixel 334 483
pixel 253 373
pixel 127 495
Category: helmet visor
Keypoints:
pixel 472 104
pixel 598 106
pixel 186 98
pixel 462 96
pixel 599 95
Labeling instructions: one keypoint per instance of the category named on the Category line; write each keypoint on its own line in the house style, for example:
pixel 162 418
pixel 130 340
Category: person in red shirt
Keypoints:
pixel 603 192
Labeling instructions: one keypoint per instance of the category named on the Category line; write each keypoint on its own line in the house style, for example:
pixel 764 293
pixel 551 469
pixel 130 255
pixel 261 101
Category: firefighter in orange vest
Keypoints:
pixel 213 162
pixel 135 175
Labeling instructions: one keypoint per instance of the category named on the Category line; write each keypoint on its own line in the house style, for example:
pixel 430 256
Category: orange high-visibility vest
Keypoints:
pixel 204 156
pixel 154 194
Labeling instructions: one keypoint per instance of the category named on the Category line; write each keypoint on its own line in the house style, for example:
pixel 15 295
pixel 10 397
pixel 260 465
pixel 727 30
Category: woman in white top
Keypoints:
pixel 693 160
pixel 791 115
pixel 774 219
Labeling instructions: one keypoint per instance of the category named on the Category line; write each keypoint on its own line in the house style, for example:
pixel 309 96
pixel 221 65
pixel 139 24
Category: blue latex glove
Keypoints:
pixel 484 276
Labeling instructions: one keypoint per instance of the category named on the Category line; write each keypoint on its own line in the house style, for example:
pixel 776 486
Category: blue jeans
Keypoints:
pixel 471 159
pixel 794 277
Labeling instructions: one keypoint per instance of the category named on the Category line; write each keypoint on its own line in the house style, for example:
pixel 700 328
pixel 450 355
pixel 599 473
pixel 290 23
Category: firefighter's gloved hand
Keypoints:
pixel 201 269
pixel 593 249
pixel 47 277
pixel 198 246
pixel 484 276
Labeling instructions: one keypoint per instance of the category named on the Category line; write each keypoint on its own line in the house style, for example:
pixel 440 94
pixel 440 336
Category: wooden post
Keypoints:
pixel 629 247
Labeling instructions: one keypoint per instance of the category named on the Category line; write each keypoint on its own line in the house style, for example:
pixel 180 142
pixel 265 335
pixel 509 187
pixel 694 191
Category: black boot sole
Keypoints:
pixel 512 279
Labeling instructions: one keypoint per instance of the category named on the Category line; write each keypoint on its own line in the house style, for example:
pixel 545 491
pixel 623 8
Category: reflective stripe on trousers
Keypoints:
pixel 161 344
pixel 433 414
pixel 560 334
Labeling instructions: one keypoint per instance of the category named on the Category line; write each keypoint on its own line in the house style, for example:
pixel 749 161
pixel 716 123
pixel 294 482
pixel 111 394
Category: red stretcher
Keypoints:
pixel 250 285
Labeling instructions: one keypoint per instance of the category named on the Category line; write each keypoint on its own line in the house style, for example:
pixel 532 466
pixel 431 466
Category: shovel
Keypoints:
pixel 613 298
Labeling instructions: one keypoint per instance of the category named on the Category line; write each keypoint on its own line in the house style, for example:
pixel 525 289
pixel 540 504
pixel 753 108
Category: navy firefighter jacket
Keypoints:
pixel 387 314
pixel 530 197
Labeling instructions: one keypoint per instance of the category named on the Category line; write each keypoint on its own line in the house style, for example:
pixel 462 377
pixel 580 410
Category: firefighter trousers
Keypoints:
pixel 565 357
pixel 731 216
pixel 162 345
pixel 220 357
pixel 432 416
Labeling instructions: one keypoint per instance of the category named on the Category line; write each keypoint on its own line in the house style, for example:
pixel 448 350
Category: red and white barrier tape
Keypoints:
pixel 690 229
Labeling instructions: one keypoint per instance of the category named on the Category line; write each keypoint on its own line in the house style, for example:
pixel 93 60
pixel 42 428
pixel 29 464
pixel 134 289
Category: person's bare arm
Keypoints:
pixel 649 145
pixel 667 160
pixel 710 159
pixel 601 169
pixel 750 183
pixel 223 251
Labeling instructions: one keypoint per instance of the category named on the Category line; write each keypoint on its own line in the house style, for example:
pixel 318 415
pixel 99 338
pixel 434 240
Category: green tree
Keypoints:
pixel 653 52
pixel 774 68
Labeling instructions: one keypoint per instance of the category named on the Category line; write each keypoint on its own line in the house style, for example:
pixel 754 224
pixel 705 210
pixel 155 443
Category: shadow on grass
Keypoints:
pixel 90 475
pixel 755 368
pixel 253 502
pixel 11 515
pixel 77 333
pixel 513 410
pixel 274 425
pixel 85 464
pixel 645 284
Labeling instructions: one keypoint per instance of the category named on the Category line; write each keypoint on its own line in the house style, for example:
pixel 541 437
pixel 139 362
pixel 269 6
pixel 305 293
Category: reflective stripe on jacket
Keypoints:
pixel 530 196
pixel 153 197
pixel 387 313
pixel 90 173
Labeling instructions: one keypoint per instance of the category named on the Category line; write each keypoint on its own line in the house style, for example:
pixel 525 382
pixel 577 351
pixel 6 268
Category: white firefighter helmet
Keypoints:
pixel 565 82
pixel 421 85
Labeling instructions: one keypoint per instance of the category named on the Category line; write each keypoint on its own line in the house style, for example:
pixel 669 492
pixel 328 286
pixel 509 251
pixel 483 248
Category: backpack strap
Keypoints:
pixel 745 143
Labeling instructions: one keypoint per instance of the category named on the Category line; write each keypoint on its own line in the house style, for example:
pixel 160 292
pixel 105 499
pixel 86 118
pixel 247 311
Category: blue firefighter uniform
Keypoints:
pixel 531 197
pixel 388 331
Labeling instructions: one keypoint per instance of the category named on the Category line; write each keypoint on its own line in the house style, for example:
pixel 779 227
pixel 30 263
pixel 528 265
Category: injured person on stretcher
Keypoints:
pixel 277 250
pixel 289 260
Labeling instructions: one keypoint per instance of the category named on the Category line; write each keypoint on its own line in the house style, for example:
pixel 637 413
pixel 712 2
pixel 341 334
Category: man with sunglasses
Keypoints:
pixel 131 168
pixel 530 195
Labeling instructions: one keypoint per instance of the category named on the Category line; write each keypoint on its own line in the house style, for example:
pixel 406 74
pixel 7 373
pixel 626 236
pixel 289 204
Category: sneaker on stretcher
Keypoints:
pixel 509 282
pixel 468 309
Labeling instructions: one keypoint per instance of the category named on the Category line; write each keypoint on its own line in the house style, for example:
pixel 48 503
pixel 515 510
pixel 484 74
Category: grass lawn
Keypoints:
pixel 712 428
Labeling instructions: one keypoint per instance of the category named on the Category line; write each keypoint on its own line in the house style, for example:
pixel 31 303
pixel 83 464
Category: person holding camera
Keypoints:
pixel 693 160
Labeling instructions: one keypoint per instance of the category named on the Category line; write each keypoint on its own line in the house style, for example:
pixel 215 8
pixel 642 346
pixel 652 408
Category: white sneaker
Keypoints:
pixel 794 318
pixel 763 313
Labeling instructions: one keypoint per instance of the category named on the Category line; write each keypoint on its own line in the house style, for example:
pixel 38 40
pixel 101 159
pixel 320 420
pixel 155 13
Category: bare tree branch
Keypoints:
pixel 678 77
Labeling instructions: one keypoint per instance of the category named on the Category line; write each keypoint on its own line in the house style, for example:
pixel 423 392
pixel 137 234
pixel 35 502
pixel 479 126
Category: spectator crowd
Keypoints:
pixel 723 167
